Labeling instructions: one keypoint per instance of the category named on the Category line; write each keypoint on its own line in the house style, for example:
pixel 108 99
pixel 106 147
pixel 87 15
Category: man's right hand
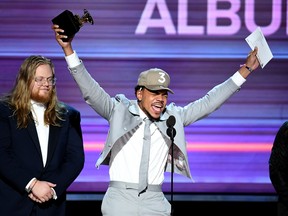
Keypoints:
pixel 66 46
pixel 41 191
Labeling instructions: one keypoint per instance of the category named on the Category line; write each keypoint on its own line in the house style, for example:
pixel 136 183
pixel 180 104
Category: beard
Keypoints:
pixel 41 98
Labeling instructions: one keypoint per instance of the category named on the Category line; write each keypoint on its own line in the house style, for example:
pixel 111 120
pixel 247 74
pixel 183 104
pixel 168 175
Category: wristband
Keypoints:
pixel 31 187
pixel 248 68
pixel 34 184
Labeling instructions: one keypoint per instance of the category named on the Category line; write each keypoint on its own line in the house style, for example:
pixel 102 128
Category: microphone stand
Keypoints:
pixel 171 132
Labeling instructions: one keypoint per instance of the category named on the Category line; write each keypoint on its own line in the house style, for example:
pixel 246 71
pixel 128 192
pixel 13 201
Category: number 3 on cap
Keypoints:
pixel 162 77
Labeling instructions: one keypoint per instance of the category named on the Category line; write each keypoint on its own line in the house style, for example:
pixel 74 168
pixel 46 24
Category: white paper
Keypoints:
pixel 257 38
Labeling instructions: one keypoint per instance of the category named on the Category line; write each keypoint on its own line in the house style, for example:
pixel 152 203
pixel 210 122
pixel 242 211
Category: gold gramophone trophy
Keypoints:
pixel 70 23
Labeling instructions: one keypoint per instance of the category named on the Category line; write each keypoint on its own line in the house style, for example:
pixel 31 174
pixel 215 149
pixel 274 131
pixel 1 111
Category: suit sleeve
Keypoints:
pixel 11 168
pixel 73 162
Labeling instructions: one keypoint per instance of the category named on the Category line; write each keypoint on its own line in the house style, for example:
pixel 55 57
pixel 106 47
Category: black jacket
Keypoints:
pixel 278 164
pixel 21 160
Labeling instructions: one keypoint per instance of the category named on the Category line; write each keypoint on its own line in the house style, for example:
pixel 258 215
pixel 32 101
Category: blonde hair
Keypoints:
pixel 20 95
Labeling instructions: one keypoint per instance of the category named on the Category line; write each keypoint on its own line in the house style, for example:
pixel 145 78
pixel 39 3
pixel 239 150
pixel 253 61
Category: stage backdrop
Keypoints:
pixel 200 44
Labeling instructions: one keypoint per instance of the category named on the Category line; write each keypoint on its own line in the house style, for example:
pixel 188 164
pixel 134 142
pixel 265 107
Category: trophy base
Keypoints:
pixel 67 22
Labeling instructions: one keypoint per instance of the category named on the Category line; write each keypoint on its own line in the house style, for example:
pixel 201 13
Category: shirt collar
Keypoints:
pixel 37 104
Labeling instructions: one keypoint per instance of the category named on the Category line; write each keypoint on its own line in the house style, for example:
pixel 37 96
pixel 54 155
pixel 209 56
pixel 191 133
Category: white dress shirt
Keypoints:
pixel 38 110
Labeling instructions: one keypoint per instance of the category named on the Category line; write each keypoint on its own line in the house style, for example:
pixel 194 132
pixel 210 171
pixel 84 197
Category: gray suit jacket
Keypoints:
pixel 123 116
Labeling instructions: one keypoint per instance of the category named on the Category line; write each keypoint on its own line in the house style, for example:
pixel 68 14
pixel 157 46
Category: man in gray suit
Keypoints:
pixel 123 147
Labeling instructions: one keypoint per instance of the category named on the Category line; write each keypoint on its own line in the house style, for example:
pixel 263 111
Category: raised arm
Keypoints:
pixel 59 34
pixel 250 65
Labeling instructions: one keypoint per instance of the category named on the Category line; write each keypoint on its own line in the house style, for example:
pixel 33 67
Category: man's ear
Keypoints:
pixel 139 94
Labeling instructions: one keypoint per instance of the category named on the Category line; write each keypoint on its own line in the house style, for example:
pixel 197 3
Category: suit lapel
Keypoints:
pixel 34 136
pixel 54 134
pixel 52 142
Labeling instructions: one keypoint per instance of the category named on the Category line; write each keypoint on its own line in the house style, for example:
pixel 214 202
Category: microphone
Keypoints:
pixel 171 121
pixel 171 132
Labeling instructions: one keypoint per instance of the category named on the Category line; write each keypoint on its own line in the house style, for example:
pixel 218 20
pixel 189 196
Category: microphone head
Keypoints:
pixel 171 121
pixel 171 132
